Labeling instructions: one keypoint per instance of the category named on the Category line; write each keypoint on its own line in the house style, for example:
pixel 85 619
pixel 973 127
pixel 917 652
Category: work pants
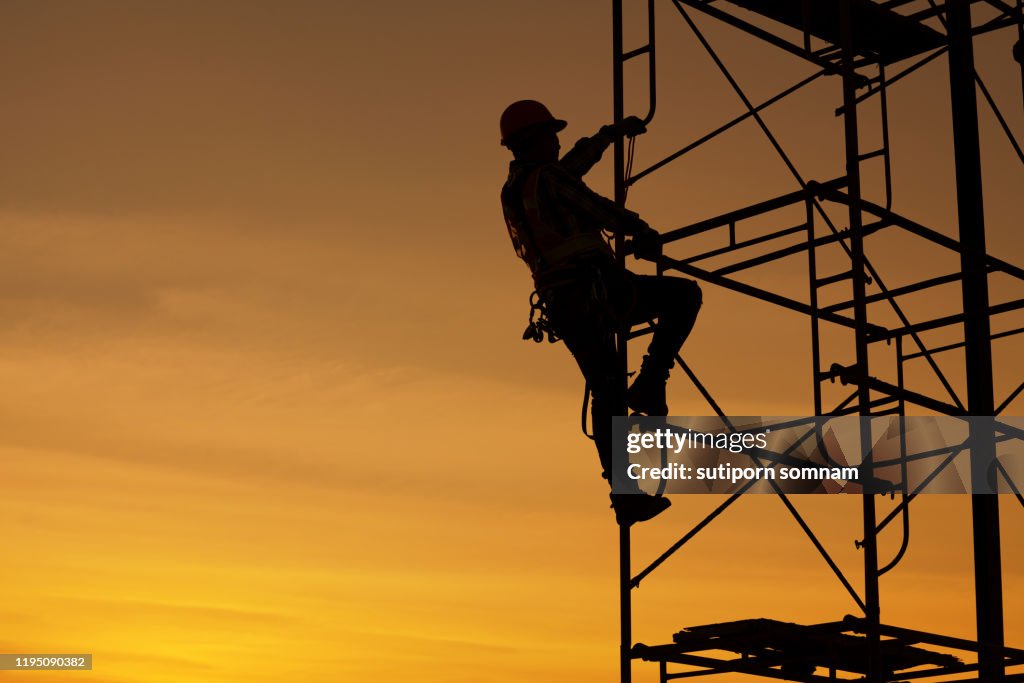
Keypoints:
pixel 586 315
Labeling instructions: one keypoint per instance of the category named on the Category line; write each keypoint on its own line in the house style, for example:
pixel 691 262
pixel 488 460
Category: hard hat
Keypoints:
pixel 525 114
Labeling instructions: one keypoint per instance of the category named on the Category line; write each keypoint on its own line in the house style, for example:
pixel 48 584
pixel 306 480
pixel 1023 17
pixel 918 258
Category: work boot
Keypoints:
pixel 647 394
pixel 631 508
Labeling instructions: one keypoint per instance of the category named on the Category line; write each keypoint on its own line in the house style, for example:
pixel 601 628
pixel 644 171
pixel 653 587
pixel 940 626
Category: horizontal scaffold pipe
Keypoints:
pixel 813 189
pixel 849 375
pixel 957 345
pixel 754 241
pixel 833 194
pixel 899 291
pixel 953 449
pixel 886 335
pixel 667 263
pixel 909 635
pixel 796 249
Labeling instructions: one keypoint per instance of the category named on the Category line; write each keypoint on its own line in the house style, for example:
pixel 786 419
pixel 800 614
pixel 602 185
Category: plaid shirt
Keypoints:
pixel 554 219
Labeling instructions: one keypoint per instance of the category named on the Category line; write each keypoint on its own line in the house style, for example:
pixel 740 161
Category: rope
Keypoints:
pixel 630 149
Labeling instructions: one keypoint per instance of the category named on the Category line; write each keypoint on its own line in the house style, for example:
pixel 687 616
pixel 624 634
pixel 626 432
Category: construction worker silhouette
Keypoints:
pixel 556 224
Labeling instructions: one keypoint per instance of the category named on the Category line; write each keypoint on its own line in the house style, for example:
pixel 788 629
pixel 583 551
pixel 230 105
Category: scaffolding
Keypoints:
pixel 859 42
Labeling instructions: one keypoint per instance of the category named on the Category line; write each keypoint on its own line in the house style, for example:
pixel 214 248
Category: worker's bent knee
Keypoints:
pixel 690 292
pixel 682 287
pixel 697 295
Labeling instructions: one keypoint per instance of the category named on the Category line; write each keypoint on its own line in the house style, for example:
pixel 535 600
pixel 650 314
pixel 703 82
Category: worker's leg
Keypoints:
pixel 597 359
pixel 587 334
pixel 674 302
pixel 593 347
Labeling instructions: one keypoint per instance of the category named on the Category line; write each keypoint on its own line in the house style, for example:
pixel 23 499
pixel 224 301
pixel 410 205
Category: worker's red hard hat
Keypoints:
pixel 524 114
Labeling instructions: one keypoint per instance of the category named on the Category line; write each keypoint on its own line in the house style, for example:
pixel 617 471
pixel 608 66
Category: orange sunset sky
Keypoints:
pixel 266 415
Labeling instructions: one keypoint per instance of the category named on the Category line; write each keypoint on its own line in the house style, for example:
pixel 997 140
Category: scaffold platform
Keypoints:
pixel 831 651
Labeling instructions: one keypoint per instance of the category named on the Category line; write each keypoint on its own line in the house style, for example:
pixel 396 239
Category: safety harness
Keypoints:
pixel 554 253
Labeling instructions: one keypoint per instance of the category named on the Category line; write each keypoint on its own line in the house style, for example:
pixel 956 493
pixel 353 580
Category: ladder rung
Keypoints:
pixel 635 53
pixel 895 410
pixel 832 279
pixel 872 155
pixel 872 405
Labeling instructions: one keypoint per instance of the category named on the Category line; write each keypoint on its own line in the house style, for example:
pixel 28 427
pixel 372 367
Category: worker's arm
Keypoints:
pixel 585 154
pixel 578 204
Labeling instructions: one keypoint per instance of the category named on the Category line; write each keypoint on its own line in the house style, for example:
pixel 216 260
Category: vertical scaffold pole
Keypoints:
pixel 980 401
pixel 852 149
pixel 625 604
